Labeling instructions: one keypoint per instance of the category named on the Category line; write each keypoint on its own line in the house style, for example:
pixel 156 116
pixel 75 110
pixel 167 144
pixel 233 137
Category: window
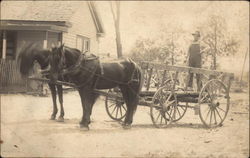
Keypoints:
pixel 83 43
pixel 10 44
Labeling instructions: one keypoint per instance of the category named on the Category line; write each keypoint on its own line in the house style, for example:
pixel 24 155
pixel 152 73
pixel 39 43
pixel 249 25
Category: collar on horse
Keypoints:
pixel 78 66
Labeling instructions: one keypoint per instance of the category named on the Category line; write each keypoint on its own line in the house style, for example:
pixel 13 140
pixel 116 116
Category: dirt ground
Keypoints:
pixel 26 131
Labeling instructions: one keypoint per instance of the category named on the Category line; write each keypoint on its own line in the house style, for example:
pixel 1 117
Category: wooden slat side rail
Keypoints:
pixel 149 78
pixel 149 65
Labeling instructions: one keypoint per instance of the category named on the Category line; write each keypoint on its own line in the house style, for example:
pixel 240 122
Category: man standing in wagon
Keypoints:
pixel 195 51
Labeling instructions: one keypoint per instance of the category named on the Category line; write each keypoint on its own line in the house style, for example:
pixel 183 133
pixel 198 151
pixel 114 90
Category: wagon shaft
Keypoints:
pixel 111 95
pixel 48 81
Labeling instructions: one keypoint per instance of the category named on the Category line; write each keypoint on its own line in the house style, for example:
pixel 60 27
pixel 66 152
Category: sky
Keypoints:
pixel 144 19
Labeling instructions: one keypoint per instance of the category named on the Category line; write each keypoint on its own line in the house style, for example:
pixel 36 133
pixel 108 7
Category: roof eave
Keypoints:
pixel 37 25
pixel 96 18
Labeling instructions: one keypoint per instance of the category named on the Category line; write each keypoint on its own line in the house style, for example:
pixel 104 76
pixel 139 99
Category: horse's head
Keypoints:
pixel 57 62
pixel 28 55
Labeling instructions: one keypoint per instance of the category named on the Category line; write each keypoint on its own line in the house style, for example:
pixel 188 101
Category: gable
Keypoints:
pixel 82 22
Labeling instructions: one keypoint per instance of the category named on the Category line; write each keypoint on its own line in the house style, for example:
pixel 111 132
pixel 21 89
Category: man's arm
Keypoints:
pixel 204 48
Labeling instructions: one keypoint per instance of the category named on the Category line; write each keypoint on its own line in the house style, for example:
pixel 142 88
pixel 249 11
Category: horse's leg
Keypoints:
pixel 126 98
pixel 133 101
pixel 131 97
pixel 60 96
pixel 87 98
pixel 53 93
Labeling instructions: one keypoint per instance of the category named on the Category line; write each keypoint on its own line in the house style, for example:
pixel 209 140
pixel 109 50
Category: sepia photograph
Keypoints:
pixel 102 79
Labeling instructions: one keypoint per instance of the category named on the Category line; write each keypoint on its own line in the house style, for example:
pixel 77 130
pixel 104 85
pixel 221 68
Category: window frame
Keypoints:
pixel 85 43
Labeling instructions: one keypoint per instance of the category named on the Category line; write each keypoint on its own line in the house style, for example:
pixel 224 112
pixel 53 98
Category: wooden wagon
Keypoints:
pixel 169 98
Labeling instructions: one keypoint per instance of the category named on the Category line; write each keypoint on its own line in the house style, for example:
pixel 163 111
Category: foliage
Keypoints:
pixel 160 50
pixel 172 45
pixel 216 35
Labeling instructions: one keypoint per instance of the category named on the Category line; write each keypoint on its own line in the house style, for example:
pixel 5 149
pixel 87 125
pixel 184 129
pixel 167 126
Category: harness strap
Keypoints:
pixel 90 77
pixel 78 66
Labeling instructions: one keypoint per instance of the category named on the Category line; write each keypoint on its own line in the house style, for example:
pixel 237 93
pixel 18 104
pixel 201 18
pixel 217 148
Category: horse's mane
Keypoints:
pixel 73 51
pixel 29 54
pixel 72 54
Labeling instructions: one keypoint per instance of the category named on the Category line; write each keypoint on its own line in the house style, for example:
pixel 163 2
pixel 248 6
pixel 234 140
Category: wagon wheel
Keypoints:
pixel 179 109
pixel 159 110
pixel 213 103
pixel 166 108
pixel 115 106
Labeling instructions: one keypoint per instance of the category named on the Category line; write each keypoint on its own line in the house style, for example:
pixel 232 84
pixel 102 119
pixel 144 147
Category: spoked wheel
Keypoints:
pixel 177 110
pixel 213 103
pixel 161 107
pixel 165 106
pixel 115 106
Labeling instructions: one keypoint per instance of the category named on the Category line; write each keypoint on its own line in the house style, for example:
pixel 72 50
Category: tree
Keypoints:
pixel 161 49
pixel 218 38
pixel 165 48
pixel 116 18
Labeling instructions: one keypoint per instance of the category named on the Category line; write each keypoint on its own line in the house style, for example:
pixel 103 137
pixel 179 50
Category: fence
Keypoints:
pixel 10 77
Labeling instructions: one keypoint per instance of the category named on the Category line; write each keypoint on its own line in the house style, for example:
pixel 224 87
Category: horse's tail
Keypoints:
pixel 27 56
pixel 140 76
pixel 138 82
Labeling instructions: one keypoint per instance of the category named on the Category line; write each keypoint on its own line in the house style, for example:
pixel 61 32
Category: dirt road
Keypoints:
pixel 27 131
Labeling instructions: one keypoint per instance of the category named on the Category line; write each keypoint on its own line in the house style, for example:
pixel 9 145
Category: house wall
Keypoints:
pixel 82 24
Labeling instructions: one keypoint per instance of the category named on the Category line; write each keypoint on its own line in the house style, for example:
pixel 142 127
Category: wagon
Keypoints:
pixel 169 98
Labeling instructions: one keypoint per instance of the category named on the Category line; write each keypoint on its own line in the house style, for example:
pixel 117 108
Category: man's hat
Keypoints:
pixel 197 33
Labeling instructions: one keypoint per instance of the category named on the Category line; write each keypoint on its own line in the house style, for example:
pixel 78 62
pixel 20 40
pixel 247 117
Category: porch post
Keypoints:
pixel 59 42
pixel 4 44
pixel 45 41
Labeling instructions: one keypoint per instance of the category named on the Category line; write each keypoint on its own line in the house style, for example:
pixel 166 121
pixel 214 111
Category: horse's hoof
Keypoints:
pixel 60 119
pixel 126 126
pixel 84 128
pixel 52 117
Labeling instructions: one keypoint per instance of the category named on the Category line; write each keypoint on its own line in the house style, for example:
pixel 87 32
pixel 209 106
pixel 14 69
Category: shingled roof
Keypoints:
pixel 46 11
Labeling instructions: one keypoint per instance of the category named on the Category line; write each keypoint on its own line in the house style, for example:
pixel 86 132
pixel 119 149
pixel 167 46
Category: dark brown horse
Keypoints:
pixel 88 74
pixel 26 60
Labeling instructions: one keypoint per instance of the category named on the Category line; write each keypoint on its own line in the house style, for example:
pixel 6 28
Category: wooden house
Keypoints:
pixel 77 24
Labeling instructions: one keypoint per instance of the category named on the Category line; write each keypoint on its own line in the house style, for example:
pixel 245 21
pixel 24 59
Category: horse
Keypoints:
pixel 26 59
pixel 89 74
